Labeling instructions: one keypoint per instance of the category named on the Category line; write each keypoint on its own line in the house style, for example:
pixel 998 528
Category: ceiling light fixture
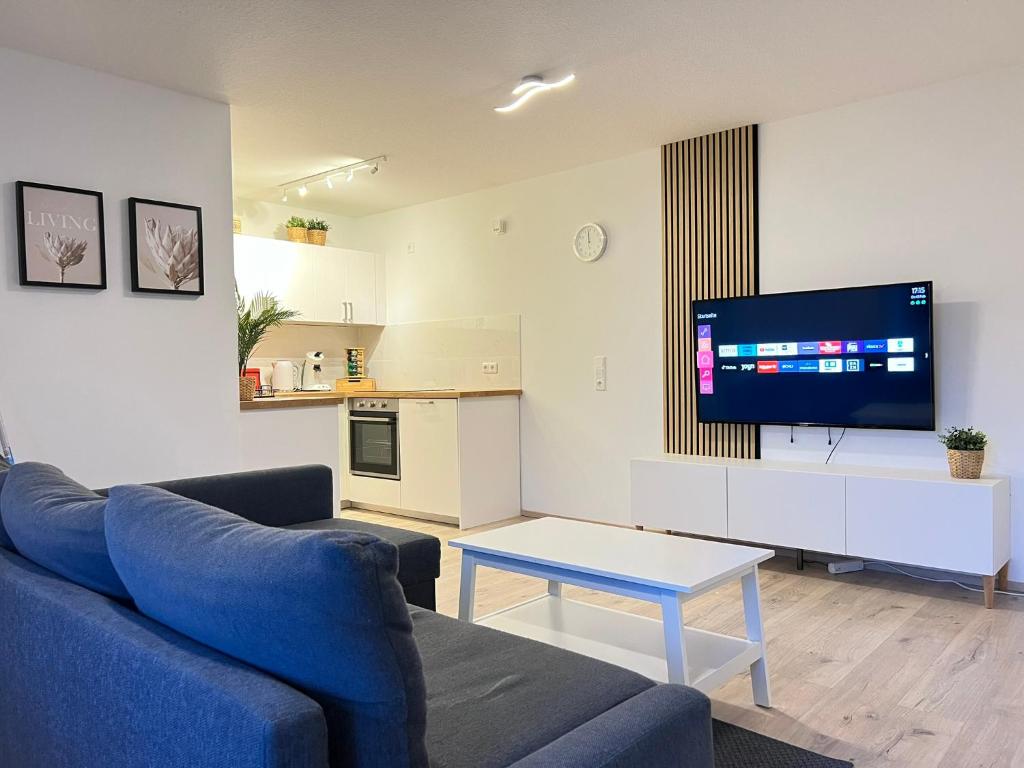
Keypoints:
pixel 348 171
pixel 529 87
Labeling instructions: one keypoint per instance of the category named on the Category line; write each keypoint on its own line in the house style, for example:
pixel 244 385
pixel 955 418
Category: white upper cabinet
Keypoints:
pixel 361 279
pixel 326 285
pixel 329 300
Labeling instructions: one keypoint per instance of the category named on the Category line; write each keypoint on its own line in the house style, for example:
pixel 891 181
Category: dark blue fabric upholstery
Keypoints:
pixel 58 524
pixel 88 683
pixel 276 497
pixel 302 498
pixel 667 726
pixel 5 539
pixel 320 609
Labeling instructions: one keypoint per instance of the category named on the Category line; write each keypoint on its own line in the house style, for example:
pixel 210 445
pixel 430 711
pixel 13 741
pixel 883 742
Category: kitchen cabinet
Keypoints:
pixel 458 461
pixel 429 451
pixel 329 286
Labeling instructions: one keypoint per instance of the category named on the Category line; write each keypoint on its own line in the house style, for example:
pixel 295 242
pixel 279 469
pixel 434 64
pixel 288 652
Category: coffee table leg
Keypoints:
pixel 675 640
pixel 467 587
pixel 554 588
pixel 755 633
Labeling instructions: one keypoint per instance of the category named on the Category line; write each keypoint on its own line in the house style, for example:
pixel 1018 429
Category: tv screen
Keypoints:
pixel 849 357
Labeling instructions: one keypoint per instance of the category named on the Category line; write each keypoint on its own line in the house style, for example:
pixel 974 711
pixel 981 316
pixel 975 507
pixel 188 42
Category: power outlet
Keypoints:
pixel 489 368
pixel 600 373
pixel 410 248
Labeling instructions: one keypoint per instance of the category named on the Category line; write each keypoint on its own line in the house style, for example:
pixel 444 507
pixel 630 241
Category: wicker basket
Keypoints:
pixel 297 234
pixel 246 388
pixel 965 465
pixel 316 236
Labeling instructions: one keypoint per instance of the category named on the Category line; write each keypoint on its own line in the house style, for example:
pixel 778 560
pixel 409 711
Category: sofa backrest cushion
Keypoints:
pixel 322 610
pixel 5 539
pixel 58 524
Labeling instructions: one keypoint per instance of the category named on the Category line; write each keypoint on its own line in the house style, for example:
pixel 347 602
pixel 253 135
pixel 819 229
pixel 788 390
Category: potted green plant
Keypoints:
pixel 316 231
pixel 296 227
pixel 965 450
pixel 255 318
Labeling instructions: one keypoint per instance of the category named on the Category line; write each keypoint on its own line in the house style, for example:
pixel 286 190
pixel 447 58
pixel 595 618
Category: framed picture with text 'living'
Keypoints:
pixel 61 241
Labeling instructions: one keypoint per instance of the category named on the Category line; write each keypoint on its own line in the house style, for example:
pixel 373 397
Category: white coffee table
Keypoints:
pixel 667 570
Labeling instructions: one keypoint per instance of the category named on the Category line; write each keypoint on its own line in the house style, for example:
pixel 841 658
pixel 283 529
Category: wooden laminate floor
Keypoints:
pixel 872 667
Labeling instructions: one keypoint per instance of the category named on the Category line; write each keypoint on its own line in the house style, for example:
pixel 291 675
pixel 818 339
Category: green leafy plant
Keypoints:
pixel 963 439
pixel 296 221
pixel 255 318
pixel 318 224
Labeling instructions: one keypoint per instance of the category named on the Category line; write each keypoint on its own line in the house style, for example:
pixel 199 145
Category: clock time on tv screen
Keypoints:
pixel 848 357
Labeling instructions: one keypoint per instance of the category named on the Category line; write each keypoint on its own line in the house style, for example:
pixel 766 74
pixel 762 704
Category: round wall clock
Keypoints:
pixel 590 242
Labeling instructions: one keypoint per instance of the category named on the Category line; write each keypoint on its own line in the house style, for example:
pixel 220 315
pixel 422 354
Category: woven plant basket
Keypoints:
pixel 965 465
pixel 316 236
pixel 297 234
pixel 246 388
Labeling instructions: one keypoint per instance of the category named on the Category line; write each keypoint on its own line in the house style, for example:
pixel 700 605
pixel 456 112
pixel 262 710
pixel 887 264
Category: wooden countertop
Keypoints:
pixel 312 399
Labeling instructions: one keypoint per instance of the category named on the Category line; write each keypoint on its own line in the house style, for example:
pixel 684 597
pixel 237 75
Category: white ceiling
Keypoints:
pixel 314 83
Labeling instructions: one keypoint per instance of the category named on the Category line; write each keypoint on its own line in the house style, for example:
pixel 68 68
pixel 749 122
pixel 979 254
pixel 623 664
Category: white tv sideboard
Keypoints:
pixel 911 516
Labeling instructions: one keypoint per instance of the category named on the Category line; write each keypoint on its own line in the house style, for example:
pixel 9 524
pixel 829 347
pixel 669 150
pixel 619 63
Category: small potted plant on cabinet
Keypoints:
pixel 255 318
pixel 965 450
pixel 316 231
pixel 296 227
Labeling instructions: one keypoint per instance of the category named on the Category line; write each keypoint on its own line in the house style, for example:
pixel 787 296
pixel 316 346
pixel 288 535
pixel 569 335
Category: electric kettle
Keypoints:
pixel 285 377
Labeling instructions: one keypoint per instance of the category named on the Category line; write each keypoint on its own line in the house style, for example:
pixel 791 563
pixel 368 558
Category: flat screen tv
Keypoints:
pixel 848 357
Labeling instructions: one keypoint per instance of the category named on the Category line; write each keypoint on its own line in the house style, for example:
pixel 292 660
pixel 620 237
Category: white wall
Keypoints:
pixel 927 184
pixel 265 219
pixel 576 443
pixel 109 385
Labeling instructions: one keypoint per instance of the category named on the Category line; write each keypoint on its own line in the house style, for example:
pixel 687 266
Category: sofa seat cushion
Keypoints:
pixel 419 554
pixel 59 524
pixel 493 698
pixel 321 610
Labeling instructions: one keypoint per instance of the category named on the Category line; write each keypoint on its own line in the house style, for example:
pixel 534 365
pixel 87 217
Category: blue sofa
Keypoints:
pixel 302 498
pixel 88 680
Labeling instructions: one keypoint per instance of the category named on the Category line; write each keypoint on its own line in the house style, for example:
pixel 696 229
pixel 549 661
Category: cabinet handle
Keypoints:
pixel 425 402
pixel 349 305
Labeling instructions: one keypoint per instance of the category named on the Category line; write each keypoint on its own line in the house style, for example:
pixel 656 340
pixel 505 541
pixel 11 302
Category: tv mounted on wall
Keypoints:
pixel 846 357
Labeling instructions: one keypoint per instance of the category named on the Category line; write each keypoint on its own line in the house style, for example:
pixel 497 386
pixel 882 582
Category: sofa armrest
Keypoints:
pixel 667 726
pixel 274 497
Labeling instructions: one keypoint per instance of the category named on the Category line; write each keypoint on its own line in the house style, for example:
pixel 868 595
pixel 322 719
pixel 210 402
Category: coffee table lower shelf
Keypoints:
pixel 625 639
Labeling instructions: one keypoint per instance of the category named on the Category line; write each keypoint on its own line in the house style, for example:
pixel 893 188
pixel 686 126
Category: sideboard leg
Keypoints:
pixel 989 584
pixel 1003 578
pixel 639 527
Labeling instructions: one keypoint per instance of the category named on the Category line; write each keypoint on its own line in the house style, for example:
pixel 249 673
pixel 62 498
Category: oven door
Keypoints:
pixel 373 445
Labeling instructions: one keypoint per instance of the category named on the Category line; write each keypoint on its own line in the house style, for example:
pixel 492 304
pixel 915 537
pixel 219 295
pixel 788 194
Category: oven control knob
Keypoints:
pixel 373 405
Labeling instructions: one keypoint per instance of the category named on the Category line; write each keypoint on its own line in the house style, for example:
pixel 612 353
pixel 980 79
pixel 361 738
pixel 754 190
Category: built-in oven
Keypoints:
pixel 373 438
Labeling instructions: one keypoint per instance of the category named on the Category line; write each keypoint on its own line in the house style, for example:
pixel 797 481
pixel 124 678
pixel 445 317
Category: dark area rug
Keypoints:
pixel 737 747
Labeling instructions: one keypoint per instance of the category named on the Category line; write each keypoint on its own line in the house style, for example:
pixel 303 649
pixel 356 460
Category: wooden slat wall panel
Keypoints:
pixel 709 236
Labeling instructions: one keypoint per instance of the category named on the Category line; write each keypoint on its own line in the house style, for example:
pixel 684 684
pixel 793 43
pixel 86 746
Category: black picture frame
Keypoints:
pixel 143 282
pixel 24 270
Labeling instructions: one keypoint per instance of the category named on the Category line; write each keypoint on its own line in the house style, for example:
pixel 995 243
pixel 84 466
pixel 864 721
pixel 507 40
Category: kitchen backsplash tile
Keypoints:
pixel 430 355
pixel 448 354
